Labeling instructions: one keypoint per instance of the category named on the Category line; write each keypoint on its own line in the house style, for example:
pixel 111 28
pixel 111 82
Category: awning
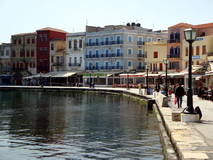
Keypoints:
pixel 63 74
pixel 140 74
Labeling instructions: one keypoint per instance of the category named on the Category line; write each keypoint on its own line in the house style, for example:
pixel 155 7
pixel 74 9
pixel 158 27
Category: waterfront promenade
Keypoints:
pixel 190 140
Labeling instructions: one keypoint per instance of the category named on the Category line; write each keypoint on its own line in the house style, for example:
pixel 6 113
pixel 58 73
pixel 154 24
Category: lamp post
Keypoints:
pixel 166 62
pixel 147 69
pixel 127 79
pixel 190 36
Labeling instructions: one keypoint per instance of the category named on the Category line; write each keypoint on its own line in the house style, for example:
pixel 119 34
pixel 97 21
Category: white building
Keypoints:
pixel 75 51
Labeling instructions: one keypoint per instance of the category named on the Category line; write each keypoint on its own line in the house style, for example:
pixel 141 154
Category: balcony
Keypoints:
pixel 173 41
pixel 140 68
pixel 112 55
pixel 210 54
pixel 141 55
pixel 141 43
pixel 74 64
pixel 173 56
pixel 58 63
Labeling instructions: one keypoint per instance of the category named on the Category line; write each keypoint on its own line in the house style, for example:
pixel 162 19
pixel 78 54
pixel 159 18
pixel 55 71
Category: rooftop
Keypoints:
pixel 51 29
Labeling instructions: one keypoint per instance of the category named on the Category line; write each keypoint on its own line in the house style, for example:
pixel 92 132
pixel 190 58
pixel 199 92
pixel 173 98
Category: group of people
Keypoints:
pixel 205 93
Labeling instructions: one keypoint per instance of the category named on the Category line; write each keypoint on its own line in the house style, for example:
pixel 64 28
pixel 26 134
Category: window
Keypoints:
pixel 140 52
pixel 97 53
pixel 40 49
pixel 187 51
pixel 80 43
pixel 41 38
pixel 107 40
pixel 80 60
pixel 129 64
pixel 28 40
pixel 129 51
pixel 155 54
pixel 118 39
pixel 149 39
pixel 52 46
pixel 118 52
pixel 161 66
pixel 45 38
pixel 75 61
pixel 203 50
pixel 28 53
pixel 45 50
pixel 197 50
pixel 107 53
pixel 2 53
pixel 21 53
pixel 7 52
pixel 70 44
pixel 19 41
pixel 130 39
pixel 96 41
pixel 32 52
pixel 90 42
pixel 14 41
pixel 33 40
pixel 75 44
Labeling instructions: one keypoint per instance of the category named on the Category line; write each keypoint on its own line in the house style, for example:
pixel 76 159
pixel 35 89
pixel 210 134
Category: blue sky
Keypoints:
pixel 23 16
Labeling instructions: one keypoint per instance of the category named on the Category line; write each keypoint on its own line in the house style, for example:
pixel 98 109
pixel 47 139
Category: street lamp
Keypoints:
pixel 127 71
pixel 166 62
pixel 190 36
pixel 147 69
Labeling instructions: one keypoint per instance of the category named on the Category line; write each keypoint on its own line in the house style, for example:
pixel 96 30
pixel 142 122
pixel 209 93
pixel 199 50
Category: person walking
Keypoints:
pixel 157 87
pixel 179 93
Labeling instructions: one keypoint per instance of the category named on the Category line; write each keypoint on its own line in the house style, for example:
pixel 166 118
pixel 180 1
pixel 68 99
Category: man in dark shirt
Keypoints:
pixel 179 93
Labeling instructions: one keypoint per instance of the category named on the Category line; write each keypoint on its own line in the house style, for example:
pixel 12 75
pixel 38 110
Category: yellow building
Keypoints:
pixel 200 49
pixel 155 53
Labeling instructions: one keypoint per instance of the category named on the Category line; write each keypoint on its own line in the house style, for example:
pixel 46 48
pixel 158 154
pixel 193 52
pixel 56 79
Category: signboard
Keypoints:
pixel 196 57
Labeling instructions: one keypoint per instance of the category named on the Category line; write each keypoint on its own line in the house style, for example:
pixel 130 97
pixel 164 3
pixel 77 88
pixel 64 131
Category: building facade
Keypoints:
pixel 75 43
pixel 44 37
pixel 23 55
pixel 5 58
pixel 58 55
pixel 118 48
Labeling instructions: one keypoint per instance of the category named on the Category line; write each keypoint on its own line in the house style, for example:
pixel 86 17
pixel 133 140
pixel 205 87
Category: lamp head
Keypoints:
pixel 190 34
pixel 166 61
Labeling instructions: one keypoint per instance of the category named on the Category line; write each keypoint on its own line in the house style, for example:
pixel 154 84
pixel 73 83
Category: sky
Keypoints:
pixel 26 16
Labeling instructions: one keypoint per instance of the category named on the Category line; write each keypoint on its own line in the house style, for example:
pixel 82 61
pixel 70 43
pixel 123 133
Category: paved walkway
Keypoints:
pixel 192 140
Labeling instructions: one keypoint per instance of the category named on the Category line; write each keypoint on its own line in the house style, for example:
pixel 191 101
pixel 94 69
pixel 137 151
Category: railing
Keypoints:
pixel 104 68
pixel 173 41
pixel 140 67
pixel 173 56
pixel 58 63
pixel 74 64
pixel 141 55
pixel 141 43
pixel 104 43
pixel 210 54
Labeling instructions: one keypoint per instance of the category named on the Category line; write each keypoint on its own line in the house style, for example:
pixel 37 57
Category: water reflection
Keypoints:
pixel 61 125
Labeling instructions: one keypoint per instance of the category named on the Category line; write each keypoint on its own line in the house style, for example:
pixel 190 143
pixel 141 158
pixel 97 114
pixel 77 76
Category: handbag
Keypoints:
pixel 175 100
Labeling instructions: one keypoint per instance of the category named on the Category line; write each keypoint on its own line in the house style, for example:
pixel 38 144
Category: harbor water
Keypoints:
pixel 75 126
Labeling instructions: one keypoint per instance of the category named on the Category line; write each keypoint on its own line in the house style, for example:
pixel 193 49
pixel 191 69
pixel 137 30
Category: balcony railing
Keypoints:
pixel 58 63
pixel 74 64
pixel 210 54
pixel 173 41
pixel 173 56
pixel 104 43
pixel 104 68
pixel 141 55
pixel 140 67
pixel 141 43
